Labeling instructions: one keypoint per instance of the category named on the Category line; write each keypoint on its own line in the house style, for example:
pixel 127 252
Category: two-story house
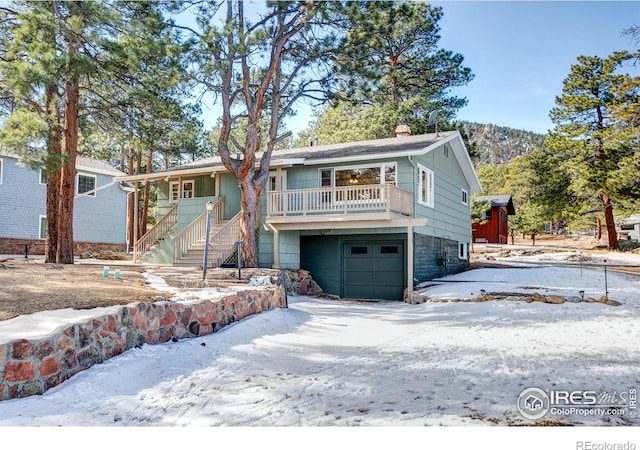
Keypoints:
pixel 367 219
pixel 100 207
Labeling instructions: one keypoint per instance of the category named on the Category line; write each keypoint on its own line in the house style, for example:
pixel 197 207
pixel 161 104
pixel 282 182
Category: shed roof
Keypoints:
pixel 498 200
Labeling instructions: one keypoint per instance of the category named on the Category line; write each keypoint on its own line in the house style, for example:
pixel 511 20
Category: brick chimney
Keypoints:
pixel 402 130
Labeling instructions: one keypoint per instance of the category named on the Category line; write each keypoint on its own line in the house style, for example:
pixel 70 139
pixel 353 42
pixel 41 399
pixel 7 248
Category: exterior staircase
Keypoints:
pixel 186 247
pixel 194 256
pixel 152 238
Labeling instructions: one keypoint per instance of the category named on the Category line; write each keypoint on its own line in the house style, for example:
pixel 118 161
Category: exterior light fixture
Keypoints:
pixel 581 295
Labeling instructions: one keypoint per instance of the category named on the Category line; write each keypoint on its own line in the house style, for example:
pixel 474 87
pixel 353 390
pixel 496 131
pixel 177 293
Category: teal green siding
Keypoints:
pixel 204 190
pixel 450 218
pixel 229 188
pixel 289 249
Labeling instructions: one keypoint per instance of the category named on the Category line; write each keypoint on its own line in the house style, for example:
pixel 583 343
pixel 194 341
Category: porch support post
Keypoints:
pixel 409 260
pixel 276 248
pixel 136 214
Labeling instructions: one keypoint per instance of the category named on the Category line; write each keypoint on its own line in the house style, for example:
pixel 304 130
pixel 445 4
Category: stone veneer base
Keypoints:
pixel 31 367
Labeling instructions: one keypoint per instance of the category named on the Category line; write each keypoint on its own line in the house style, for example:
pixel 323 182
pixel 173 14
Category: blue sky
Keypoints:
pixel 520 52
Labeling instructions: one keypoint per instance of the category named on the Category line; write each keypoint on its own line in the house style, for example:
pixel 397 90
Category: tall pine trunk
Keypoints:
pixel 249 205
pixel 52 170
pixel 612 234
pixel 147 194
pixel 68 173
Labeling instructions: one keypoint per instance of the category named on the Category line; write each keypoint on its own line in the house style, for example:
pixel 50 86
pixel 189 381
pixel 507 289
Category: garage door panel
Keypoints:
pixel 389 292
pixel 389 265
pixel 359 291
pixel 388 278
pixel 351 264
pixel 357 277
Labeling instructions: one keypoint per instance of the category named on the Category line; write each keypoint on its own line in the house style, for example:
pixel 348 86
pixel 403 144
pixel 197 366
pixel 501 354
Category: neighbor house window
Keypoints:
pixel 86 183
pixel 43 227
pixel 465 197
pixel 425 186
pixel 1 168
pixel 43 176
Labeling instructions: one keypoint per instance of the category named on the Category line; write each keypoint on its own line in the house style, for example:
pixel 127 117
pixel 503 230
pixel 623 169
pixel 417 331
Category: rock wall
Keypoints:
pixel 30 367
pixel 11 246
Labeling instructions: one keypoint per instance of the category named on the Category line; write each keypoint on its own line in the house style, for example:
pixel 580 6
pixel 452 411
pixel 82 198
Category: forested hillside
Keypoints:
pixel 497 145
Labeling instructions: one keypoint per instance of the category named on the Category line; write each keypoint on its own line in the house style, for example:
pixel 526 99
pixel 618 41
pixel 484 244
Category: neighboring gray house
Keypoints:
pixel 629 228
pixel 367 219
pixel 100 207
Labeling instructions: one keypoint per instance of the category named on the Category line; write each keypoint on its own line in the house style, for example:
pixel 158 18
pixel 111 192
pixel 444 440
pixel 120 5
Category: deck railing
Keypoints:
pixel 195 231
pixel 340 200
pixel 159 230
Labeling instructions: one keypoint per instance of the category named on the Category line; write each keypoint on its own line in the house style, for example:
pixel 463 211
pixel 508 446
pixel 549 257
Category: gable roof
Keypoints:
pixel 346 152
pixel 82 164
pixel 498 200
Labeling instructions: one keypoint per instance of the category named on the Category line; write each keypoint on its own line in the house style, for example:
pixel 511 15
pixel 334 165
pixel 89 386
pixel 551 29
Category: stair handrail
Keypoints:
pixel 195 231
pixel 223 242
pixel 157 232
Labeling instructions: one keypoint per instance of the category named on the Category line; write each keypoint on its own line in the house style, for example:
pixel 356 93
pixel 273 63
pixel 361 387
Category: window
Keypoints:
pixel 425 186
pixel 86 183
pixel 465 197
pixel 463 250
pixel 43 227
pixel 359 175
pixel 187 189
pixel 358 250
pixel 388 249
pixel 175 193
pixel 1 167
pixel 43 176
pixel 446 151
pixel 326 177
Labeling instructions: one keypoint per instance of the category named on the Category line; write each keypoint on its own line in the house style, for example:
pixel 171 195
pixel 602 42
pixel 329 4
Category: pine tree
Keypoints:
pixel 599 153
pixel 258 67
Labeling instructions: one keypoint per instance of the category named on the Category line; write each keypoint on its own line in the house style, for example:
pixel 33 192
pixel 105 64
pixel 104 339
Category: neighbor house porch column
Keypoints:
pixel 409 260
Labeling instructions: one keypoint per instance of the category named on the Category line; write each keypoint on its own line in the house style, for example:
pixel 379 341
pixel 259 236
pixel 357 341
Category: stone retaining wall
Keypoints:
pixel 418 297
pixel 12 246
pixel 30 367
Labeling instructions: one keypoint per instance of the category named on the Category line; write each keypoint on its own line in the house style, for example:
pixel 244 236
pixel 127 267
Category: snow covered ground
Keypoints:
pixel 324 363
